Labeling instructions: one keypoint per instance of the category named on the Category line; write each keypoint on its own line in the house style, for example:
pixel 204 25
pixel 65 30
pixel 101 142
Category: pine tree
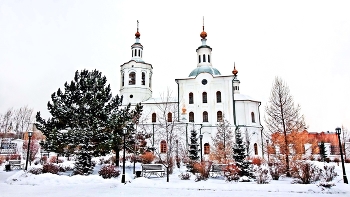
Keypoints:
pixel 193 151
pixel 239 155
pixel 92 118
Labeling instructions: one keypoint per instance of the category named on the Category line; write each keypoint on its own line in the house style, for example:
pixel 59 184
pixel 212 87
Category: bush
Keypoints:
pixel 147 157
pixel 36 171
pixel 44 159
pixel 53 159
pixel 15 157
pixel 304 172
pixel 2 159
pixel 347 160
pixel 312 158
pixel 185 176
pixel 257 161
pixel 262 175
pixel 231 173
pixel 337 160
pixel 51 168
pixel 203 169
pixel 327 173
pixel 109 171
pixel 276 169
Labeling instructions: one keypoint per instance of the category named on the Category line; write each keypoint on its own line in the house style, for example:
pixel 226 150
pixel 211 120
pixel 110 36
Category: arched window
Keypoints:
pixel 203 58
pixel 218 97
pixel 253 117
pixel 139 53
pixel 219 116
pixel 204 97
pixel 163 146
pixel 132 80
pixel 143 80
pixel 123 79
pixel 199 58
pixel 256 149
pixel 206 148
pixel 190 98
pixel 209 58
pixel 154 117
pixel 132 53
pixel 191 117
pixel 135 52
pixel 170 117
pixel 205 116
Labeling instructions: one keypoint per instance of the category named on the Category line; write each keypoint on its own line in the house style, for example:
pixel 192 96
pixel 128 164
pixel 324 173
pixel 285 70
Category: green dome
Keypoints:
pixel 204 69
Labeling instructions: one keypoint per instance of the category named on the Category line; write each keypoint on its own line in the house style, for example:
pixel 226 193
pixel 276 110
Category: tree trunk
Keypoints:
pixel 116 150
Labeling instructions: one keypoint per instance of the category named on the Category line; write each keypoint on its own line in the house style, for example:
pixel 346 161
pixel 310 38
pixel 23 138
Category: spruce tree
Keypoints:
pixel 92 117
pixel 240 155
pixel 193 151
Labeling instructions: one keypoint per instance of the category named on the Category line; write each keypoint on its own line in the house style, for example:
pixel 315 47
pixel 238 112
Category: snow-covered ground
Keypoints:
pixel 20 184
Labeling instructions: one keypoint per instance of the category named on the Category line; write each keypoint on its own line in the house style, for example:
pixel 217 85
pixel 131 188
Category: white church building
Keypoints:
pixel 204 97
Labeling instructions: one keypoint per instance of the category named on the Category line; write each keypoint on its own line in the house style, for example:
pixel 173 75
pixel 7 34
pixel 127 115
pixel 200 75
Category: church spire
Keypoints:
pixel 137 48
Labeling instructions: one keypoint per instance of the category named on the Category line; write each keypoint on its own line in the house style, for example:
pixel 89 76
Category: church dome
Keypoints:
pixel 204 69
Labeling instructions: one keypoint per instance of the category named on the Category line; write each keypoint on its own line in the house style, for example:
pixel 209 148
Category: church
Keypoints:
pixel 204 98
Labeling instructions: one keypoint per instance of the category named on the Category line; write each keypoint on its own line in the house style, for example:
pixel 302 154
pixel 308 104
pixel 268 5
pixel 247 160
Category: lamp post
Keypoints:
pixel 200 139
pixel 30 133
pixel 267 150
pixel 123 175
pixel 338 131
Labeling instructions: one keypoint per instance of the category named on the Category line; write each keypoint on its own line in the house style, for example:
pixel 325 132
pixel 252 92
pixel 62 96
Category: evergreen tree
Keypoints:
pixel 193 151
pixel 323 152
pixel 239 155
pixel 92 118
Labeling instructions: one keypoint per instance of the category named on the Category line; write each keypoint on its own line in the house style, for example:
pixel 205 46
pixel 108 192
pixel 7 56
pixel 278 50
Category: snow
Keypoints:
pixel 21 184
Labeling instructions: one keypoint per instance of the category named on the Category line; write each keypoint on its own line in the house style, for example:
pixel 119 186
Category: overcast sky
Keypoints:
pixel 306 43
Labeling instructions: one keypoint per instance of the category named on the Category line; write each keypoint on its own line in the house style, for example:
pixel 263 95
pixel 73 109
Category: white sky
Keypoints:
pixel 306 43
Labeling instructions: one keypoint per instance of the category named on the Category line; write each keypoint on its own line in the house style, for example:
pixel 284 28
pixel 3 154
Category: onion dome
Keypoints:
pixel 203 34
pixel 137 34
pixel 234 72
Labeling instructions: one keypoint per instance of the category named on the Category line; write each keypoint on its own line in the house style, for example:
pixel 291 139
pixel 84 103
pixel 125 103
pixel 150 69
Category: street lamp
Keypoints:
pixel 125 130
pixel 200 138
pixel 30 133
pixel 267 150
pixel 338 131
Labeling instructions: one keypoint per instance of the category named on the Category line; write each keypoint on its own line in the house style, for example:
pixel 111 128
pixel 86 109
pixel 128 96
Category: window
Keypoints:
pixel 199 58
pixel 139 53
pixel 205 116
pixel 204 97
pixel 170 117
pixel 203 58
pixel 255 149
pixel 123 79
pixel 190 98
pixel 143 81
pixel 132 80
pixel 209 58
pixel 163 146
pixel 154 117
pixel 218 97
pixel 219 116
pixel 132 53
pixel 253 117
pixel 191 117
pixel 135 52
pixel 206 148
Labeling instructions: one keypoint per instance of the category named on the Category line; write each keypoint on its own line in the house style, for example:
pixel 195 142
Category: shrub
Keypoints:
pixel 15 157
pixel 276 169
pixel 53 159
pixel 262 175
pixel 304 172
pixel 327 173
pixel 185 176
pixel 203 169
pixel 2 159
pixel 44 159
pixel 347 160
pixel 51 168
pixel 257 161
pixel 231 173
pixel 36 171
pixel 147 157
pixel 312 158
pixel 337 160
pixel 109 171
pixel 327 159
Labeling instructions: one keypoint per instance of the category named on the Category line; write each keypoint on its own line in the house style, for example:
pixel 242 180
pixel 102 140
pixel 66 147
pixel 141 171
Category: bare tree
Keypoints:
pixel 6 121
pixel 222 142
pixel 282 115
pixel 21 120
